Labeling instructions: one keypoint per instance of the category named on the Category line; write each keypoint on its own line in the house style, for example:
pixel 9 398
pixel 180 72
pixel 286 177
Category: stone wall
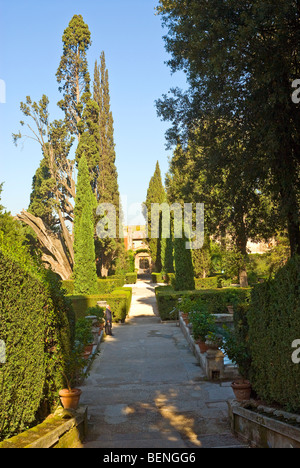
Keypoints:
pixel 64 429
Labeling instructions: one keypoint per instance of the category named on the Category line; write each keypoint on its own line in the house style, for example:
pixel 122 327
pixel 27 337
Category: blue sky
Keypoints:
pixel 130 34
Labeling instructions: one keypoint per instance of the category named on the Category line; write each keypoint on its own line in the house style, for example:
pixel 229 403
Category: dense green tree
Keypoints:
pixel 234 208
pixel 155 194
pixel 240 60
pixel 85 277
pixel 72 74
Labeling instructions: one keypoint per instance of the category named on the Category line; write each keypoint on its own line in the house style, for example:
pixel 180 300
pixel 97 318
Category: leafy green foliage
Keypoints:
pixel 203 322
pixel 216 300
pixel 245 119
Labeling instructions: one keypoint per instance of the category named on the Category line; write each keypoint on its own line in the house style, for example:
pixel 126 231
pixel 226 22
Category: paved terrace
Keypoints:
pixel 146 389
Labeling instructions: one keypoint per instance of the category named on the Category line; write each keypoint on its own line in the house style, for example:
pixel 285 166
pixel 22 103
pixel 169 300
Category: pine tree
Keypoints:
pixel 155 194
pixel 85 277
pixel 72 73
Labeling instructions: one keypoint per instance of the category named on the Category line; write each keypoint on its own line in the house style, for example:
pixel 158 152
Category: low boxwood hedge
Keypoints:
pixel 119 301
pixel 104 285
pixel 216 299
pixel 130 278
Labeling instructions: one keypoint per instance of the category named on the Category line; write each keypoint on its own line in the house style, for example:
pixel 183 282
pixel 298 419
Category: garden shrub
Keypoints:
pixel 212 282
pixel 130 278
pixel 216 299
pixel 274 323
pixel 119 301
pixel 34 324
pixel 156 277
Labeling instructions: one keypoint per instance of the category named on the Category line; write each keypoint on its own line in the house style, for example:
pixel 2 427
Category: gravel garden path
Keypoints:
pixel 146 389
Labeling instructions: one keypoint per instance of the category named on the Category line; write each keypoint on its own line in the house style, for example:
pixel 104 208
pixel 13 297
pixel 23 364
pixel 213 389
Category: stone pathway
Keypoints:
pixel 146 389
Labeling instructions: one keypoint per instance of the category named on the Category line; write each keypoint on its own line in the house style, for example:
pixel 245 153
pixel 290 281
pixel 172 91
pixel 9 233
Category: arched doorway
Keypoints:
pixel 143 262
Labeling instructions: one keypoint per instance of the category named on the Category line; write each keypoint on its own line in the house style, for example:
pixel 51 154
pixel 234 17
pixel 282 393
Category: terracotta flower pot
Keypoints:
pixel 241 389
pixel 202 345
pixel 70 398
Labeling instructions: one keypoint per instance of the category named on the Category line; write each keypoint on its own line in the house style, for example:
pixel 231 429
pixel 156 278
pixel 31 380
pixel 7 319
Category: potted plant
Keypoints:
pixel 84 336
pixel 186 305
pixel 98 312
pixel 213 340
pixel 203 323
pixel 70 395
pixel 238 352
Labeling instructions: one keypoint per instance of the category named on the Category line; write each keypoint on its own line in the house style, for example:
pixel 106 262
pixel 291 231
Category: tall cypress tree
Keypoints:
pixel 107 184
pixel 107 190
pixel 155 194
pixel 184 271
pixel 84 247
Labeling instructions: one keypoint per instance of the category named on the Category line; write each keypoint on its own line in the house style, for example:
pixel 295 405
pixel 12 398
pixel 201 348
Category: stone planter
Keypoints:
pixel 264 427
pixel 241 389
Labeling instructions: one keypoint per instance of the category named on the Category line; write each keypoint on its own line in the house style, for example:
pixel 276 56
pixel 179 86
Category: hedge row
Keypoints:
pixel 216 299
pixel 274 323
pixel 119 301
pixel 104 285
pixel 130 278
pixel 211 282
pixel 35 327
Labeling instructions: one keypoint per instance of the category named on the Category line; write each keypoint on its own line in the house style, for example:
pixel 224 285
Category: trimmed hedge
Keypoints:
pixel 212 282
pixel 274 323
pixel 35 326
pixel 216 299
pixel 104 285
pixel 130 278
pixel 119 301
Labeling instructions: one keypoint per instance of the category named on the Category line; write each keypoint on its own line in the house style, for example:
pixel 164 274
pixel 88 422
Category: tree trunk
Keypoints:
pixel 241 243
pixel 54 252
pixel 294 232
